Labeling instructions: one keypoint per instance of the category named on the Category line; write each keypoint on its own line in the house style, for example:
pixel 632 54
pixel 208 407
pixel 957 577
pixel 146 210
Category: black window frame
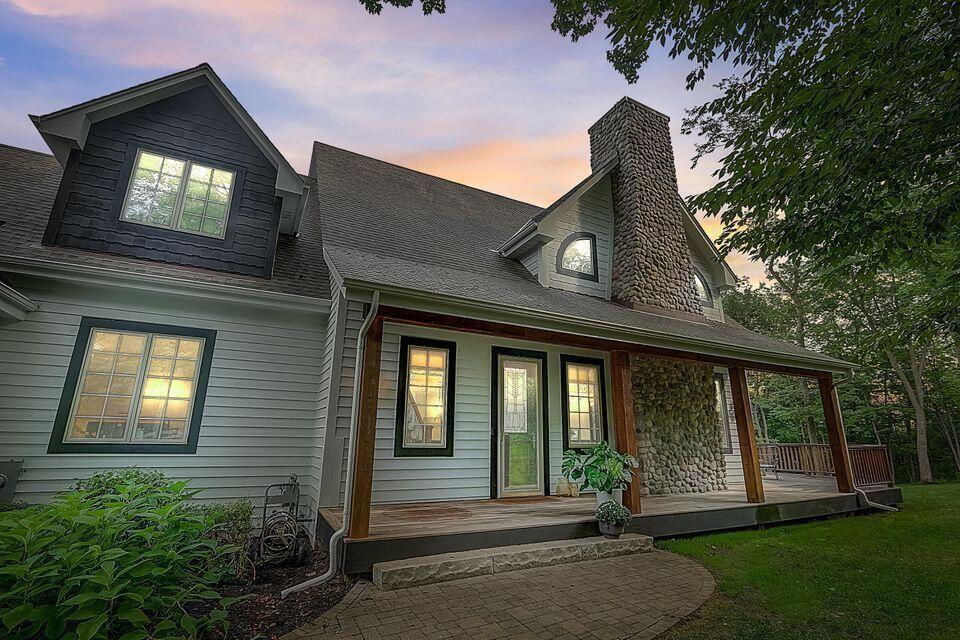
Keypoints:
pixel 565 398
pixel 579 235
pixel 399 450
pixel 726 448
pixel 511 352
pixel 67 396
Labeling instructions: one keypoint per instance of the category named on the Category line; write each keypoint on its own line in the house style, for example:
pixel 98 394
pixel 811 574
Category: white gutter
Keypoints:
pixel 14 304
pixel 162 283
pixel 333 559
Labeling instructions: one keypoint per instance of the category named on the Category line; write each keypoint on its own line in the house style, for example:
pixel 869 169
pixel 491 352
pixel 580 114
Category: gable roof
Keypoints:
pixel 403 231
pixel 67 128
pixel 28 186
pixel 527 237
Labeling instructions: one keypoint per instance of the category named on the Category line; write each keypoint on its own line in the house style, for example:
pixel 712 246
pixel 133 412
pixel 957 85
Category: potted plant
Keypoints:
pixel 601 468
pixel 612 517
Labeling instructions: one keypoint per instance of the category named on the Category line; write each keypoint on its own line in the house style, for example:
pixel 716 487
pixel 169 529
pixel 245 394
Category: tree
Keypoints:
pixel 839 124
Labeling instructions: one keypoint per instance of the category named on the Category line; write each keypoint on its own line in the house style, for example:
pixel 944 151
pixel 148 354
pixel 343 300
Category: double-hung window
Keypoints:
pixel 178 194
pixel 584 416
pixel 134 385
pixel 425 397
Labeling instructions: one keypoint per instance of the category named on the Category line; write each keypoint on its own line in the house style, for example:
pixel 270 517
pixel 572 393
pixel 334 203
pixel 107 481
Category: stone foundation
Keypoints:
pixel 678 439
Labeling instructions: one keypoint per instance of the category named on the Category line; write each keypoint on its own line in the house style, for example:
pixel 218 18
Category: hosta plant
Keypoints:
pixel 125 562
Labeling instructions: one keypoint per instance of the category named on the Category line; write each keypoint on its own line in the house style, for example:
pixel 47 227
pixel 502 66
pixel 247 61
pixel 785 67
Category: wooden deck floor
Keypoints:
pixel 423 519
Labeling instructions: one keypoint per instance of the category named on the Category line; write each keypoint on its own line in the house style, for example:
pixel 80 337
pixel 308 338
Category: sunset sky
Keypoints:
pixel 485 94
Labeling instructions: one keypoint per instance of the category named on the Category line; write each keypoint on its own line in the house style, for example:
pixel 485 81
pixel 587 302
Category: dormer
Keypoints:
pixel 569 245
pixel 623 233
pixel 173 170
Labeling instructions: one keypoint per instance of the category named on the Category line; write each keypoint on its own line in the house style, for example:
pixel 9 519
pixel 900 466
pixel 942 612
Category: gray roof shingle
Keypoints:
pixel 28 187
pixel 396 227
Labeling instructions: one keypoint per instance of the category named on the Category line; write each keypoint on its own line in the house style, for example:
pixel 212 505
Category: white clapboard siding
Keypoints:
pixel 467 473
pixel 592 212
pixel 531 261
pixel 260 415
pixel 327 368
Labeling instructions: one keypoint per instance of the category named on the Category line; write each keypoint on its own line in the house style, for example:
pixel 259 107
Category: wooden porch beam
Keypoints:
pixel 749 455
pixel 362 482
pixel 624 422
pixel 417 317
pixel 836 435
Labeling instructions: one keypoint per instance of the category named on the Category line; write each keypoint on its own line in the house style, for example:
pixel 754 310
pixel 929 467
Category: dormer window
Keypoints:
pixel 577 256
pixel 703 291
pixel 178 194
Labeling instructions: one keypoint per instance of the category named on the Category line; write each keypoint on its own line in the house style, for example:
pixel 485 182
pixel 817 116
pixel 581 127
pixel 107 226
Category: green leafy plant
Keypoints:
pixel 232 524
pixel 127 561
pixel 107 482
pixel 600 468
pixel 612 512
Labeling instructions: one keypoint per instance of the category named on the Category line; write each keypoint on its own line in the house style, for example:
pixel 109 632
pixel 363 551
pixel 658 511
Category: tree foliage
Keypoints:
pixel 906 392
pixel 838 124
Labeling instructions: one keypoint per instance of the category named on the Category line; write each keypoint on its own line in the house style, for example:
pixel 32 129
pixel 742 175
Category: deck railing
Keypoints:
pixel 871 462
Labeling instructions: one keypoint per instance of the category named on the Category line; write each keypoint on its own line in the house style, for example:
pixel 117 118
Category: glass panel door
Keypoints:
pixel 521 428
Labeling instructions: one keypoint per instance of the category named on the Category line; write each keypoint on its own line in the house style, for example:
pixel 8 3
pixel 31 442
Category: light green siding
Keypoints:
pixel 591 212
pixel 467 473
pixel 260 415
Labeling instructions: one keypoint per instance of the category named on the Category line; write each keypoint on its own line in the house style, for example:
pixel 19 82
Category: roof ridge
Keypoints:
pixel 16 148
pixel 429 175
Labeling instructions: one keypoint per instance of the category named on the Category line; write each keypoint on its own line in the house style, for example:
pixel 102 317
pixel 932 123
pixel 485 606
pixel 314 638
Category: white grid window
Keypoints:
pixel 578 256
pixel 584 426
pixel 123 396
pixel 178 194
pixel 425 422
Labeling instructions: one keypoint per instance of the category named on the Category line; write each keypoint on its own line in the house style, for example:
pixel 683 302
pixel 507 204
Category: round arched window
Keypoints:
pixel 577 256
pixel 703 291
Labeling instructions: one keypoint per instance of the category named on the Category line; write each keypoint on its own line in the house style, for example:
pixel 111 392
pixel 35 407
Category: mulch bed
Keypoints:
pixel 262 615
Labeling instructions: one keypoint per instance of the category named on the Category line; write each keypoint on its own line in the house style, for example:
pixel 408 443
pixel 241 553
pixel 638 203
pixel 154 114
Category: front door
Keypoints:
pixel 520 393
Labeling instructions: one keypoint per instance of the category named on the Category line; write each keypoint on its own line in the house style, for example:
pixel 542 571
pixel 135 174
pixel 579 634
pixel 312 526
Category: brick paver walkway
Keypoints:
pixel 637 596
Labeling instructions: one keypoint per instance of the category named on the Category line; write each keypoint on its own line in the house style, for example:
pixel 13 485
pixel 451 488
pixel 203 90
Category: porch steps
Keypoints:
pixel 412 572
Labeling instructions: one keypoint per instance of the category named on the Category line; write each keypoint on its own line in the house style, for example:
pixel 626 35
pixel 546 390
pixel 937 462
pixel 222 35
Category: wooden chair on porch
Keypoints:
pixel 769 459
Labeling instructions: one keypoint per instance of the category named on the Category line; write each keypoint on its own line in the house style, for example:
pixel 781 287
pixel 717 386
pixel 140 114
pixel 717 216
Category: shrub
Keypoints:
pixel 232 525
pixel 612 512
pixel 124 562
pixel 108 482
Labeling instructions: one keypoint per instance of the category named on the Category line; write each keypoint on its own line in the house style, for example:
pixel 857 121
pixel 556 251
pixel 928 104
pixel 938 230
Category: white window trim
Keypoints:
pixel 137 399
pixel 181 196
pixel 443 396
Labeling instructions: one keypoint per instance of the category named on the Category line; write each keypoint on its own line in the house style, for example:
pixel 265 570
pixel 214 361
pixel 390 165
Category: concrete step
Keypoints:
pixel 412 572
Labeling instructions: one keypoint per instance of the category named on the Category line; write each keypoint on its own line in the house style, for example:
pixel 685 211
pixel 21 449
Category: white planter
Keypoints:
pixel 603 496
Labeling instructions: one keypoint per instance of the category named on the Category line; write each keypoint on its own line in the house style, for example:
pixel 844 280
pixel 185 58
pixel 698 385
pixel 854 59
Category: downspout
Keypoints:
pixel 351 444
pixel 861 494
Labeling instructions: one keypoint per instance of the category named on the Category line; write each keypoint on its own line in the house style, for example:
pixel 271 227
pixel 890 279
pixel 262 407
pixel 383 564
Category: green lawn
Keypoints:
pixel 890 575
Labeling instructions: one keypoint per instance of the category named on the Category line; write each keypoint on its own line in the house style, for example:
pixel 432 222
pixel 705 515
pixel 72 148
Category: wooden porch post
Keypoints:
pixel 835 434
pixel 362 482
pixel 624 423
pixel 747 434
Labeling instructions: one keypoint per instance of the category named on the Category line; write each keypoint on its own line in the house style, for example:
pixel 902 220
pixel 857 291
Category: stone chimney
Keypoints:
pixel 651 260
